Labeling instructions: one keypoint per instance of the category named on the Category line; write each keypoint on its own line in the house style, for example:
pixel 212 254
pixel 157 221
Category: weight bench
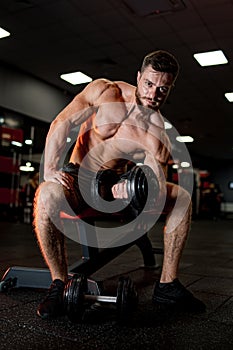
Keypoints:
pixel 93 257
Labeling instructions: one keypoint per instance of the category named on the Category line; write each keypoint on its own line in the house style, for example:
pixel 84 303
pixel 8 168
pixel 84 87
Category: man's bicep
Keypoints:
pixel 151 160
pixel 164 150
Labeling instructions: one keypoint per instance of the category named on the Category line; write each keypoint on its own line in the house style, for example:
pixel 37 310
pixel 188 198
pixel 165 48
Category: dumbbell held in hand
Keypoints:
pixel 140 186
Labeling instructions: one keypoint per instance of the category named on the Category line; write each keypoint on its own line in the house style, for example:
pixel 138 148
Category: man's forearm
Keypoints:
pixel 55 145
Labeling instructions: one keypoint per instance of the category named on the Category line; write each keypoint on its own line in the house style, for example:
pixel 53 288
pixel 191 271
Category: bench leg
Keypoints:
pixel 145 246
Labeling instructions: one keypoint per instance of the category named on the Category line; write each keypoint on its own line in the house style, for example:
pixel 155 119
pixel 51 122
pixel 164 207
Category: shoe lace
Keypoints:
pixel 54 292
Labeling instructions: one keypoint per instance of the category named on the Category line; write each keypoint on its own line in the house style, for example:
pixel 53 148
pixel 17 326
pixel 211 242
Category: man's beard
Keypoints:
pixel 140 103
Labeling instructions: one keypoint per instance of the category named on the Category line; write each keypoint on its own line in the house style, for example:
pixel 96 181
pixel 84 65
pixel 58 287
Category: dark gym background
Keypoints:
pixel 109 38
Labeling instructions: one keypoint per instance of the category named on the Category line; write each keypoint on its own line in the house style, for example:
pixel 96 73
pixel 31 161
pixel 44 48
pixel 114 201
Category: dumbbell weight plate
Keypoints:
pixel 137 186
pixel 101 188
pixel 74 303
pixel 150 186
pixel 127 298
pixel 133 188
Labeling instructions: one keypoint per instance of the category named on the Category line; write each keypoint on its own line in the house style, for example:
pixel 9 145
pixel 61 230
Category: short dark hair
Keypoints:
pixel 161 61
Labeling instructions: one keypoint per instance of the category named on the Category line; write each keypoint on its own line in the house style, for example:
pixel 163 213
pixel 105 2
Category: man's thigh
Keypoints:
pixel 75 202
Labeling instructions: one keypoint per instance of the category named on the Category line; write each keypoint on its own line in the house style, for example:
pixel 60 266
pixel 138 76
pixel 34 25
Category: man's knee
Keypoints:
pixel 184 195
pixel 49 194
pixel 175 192
pixel 178 200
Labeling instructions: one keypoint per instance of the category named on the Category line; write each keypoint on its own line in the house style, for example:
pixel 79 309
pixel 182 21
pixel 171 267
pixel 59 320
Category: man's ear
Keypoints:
pixel 138 76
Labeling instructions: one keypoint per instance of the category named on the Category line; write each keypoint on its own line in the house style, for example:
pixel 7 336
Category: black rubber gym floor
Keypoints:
pixel 206 269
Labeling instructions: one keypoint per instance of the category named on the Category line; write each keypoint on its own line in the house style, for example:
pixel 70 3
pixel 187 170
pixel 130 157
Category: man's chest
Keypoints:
pixel 139 136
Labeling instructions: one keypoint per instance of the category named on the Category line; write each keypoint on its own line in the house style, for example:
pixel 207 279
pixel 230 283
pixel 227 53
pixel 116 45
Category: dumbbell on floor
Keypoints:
pixel 77 298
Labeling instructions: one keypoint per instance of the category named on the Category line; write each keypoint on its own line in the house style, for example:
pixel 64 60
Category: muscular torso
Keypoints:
pixel 135 132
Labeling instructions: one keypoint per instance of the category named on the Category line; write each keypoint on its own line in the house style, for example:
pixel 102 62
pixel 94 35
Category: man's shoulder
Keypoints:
pixel 94 90
pixel 157 119
pixel 126 88
pixel 99 85
pixel 103 84
pixel 100 88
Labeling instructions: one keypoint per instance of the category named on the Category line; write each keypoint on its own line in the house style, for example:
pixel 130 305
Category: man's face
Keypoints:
pixel 153 87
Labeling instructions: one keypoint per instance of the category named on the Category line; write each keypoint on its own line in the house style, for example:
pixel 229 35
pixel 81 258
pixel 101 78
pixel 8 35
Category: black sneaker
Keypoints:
pixel 52 305
pixel 174 294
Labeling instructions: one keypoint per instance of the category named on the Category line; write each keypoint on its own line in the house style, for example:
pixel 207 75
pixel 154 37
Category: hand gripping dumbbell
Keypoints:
pixel 142 186
pixel 141 182
pixel 78 297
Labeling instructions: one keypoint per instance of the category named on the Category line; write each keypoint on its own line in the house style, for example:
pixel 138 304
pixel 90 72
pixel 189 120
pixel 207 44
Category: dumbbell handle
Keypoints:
pixel 102 298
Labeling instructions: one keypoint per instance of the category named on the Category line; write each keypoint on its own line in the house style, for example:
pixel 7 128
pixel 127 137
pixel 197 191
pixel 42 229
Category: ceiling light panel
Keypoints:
pixel 184 139
pixel 3 33
pixel 211 58
pixel 229 96
pixel 76 78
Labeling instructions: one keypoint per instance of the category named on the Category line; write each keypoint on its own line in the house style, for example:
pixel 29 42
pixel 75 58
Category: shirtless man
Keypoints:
pixel 119 122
